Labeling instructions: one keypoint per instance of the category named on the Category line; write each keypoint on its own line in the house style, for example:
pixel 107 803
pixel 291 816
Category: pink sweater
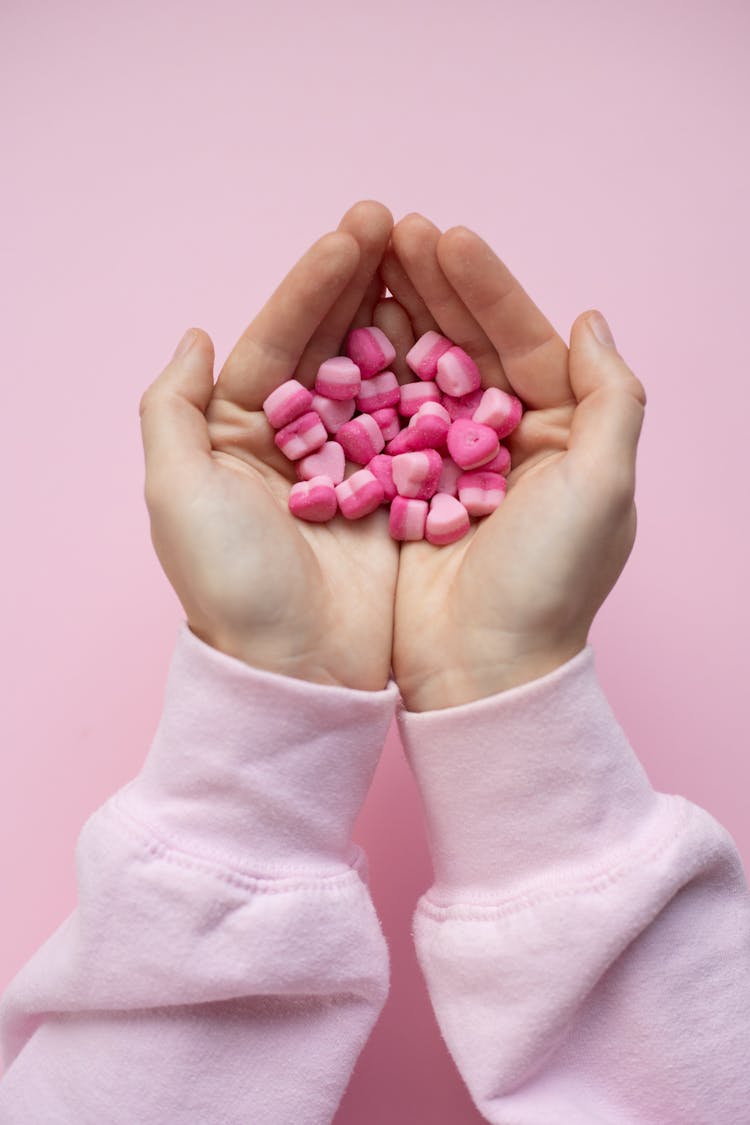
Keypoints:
pixel 586 942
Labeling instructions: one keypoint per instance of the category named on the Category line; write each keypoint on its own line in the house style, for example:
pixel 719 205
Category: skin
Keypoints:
pixel 515 598
pixel 339 603
pixel 313 601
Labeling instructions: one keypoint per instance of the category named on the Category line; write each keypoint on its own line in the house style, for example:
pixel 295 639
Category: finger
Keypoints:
pixel 534 357
pixel 610 408
pixel 374 293
pixel 172 410
pixel 270 349
pixel 370 223
pixel 415 240
pixel 398 283
pixel 392 319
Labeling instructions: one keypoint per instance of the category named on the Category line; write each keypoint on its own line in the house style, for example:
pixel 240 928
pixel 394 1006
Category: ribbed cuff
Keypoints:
pixel 258 768
pixel 536 777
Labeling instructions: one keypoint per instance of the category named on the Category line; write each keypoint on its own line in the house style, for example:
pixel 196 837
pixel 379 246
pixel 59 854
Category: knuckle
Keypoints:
pixel 622 488
pixel 145 401
pixel 153 493
pixel 638 390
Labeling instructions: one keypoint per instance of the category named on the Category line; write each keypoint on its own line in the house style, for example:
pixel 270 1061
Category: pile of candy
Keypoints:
pixel 445 465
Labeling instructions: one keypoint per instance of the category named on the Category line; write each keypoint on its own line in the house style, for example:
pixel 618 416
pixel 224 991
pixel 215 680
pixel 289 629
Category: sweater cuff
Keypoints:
pixel 535 777
pixel 255 768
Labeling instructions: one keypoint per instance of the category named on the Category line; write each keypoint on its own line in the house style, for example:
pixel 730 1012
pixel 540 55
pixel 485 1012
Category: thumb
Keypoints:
pixel 172 410
pixel 610 400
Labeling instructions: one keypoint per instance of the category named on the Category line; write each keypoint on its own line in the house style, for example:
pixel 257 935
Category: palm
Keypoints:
pixel 305 600
pixel 529 578
pixel 329 586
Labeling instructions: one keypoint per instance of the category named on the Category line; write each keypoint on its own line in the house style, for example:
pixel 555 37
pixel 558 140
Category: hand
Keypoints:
pixel 314 601
pixel 516 597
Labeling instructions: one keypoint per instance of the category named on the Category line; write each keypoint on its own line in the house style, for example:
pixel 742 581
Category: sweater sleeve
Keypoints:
pixel 586 941
pixel 224 962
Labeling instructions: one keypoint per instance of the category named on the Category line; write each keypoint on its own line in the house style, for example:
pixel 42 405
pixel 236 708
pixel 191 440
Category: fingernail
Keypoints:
pixel 185 343
pixel 601 330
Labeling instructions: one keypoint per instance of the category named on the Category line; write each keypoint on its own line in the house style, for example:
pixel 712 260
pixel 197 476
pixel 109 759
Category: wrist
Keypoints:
pixel 460 682
pixel 276 656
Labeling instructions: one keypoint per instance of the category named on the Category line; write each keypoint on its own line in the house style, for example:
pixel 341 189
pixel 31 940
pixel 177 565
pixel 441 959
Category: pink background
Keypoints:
pixel 165 163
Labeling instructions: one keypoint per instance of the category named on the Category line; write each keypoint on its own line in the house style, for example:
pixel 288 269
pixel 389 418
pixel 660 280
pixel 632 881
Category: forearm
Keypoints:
pixel 225 959
pixel 587 940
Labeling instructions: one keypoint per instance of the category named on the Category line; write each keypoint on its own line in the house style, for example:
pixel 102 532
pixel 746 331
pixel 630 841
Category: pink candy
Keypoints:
pixel 416 475
pixel 371 350
pixel 415 395
pixel 457 373
pixel 449 477
pixel 381 468
pixel 462 407
pixel 378 392
pixel 410 440
pixel 388 421
pixel 333 413
pixel 434 420
pixel 480 493
pixel 471 444
pixel 286 403
pixel 423 357
pixel 302 436
pixel 429 449
pixel 338 378
pixel 500 463
pixel 328 461
pixel 359 494
pixel 407 518
pixel 499 410
pixel 447 520
pixel 361 439
pixel 313 500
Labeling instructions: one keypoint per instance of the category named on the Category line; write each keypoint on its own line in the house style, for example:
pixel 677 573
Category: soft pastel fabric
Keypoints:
pixel 586 942
pixel 225 964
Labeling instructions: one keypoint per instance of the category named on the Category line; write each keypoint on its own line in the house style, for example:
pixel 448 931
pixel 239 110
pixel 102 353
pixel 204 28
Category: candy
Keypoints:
pixel 378 392
pixel 371 350
pixel 481 492
pixel 471 444
pixel 406 518
pixel 416 475
pixel 313 500
pixel 423 357
pixel 434 472
pixel 499 410
pixel 286 403
pixel 338 378
pixel 410 440
pixel 457 373
pixel 333 414
pixel 462 407
pixel 359 494
pixel 414 395
pixel 328 461
pixel 388 421
pixel 302 436
pixel 449 477
pixel 500 463
pixel 381 468
pixel 434 419
pixel 361 439
pixel 447 520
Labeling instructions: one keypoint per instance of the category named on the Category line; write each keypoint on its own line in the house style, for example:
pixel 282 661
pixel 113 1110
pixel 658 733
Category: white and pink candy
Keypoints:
pixel 430 449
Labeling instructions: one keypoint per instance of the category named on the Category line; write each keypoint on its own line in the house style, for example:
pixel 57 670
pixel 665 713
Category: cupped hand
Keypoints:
pixel 313 601
pixel 516 597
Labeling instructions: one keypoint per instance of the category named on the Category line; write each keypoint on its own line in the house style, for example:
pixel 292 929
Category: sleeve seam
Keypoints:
pixel 436 906
pixel 154 845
